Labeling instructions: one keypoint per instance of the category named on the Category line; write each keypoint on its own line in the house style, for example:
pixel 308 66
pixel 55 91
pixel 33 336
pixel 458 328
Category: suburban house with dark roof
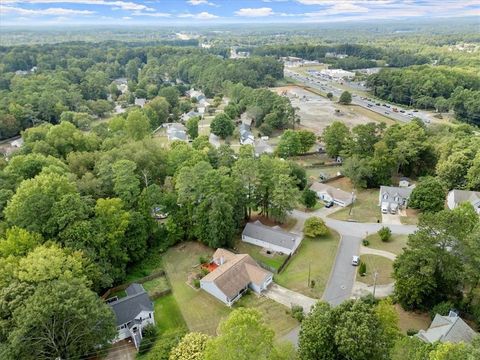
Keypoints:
pixel 271 238
pixel 393 198
pixel 449 328
pixel 233 275
pixel 133 313
pixel 456 197
pixel 328 194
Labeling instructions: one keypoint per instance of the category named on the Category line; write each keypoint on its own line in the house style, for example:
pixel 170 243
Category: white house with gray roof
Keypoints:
pixel 393 198
pixel 449 328
pixel 132 313
pixel 328 193
pixel 271 238
pixel 233 275
pixel 456 197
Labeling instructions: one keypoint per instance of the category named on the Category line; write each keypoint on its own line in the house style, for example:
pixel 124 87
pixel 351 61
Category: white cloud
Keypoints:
pixel 339 8
pixel 254 12
pixel 200 2
pixel 124 5
pixel 151 14
pixel 200 16
pixel 126 18
pixel 39 12
pixel 338 2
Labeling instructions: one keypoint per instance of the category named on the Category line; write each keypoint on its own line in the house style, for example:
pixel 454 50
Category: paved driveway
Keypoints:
pixel 386 254
pixel 340 284
pixel 288 297
pixel 391 219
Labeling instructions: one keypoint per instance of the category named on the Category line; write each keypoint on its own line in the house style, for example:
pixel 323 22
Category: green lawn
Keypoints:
pixel 275 315
pixel 379 264
pixel 167 314
pixel 394 245
pixel 168 320
pixel 319 255
pixel 274 261
pixel 203 312
pixel 364 209
pixel 156 285
pixel 313 173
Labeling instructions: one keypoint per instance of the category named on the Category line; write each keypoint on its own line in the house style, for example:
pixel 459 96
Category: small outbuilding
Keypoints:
pixel 271 238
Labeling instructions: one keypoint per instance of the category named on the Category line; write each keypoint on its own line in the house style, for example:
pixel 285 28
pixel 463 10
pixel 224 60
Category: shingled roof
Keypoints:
pixel 134 303
pixel 272 235
pixel 334 193
pixel 449 328
pixel 235 272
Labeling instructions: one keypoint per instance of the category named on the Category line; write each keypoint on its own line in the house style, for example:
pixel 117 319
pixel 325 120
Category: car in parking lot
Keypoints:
pixel 355 260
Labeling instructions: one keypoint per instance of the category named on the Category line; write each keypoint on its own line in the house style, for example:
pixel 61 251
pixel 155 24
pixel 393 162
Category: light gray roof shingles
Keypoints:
pixel 447 329
pixel 393 191
pixel 274 236
pixel 136 301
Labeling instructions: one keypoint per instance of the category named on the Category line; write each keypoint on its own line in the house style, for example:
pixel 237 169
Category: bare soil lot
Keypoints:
pixel 317 112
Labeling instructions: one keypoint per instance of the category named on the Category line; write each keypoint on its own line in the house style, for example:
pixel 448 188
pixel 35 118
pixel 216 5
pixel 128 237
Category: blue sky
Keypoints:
pixel 191 12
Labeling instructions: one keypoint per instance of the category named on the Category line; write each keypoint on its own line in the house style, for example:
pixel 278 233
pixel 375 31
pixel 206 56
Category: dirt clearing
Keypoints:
pixel 317 112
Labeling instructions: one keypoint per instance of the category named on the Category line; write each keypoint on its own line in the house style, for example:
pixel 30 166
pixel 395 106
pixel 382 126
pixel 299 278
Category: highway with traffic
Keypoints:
pixel 326 85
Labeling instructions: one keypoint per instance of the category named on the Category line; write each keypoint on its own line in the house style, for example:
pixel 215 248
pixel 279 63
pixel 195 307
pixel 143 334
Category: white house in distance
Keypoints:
pixel 328 194
pixel 133 313
pixel 449 328
pixel 456 197
pixel 271 238
pixel 233 275
pixel 392 198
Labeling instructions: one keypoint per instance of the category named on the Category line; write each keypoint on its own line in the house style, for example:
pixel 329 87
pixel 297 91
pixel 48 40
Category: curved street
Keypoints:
pixel 342 276
pixel 341 282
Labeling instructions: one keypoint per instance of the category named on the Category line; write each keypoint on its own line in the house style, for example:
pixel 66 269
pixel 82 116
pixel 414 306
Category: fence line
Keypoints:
pixel 140 281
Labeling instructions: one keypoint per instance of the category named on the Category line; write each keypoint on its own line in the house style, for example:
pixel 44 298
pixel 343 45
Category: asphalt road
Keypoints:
pixel 342 277
pixel 326 85
pixel 340 284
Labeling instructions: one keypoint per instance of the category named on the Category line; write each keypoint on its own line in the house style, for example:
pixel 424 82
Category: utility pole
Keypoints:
pixel 375 274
